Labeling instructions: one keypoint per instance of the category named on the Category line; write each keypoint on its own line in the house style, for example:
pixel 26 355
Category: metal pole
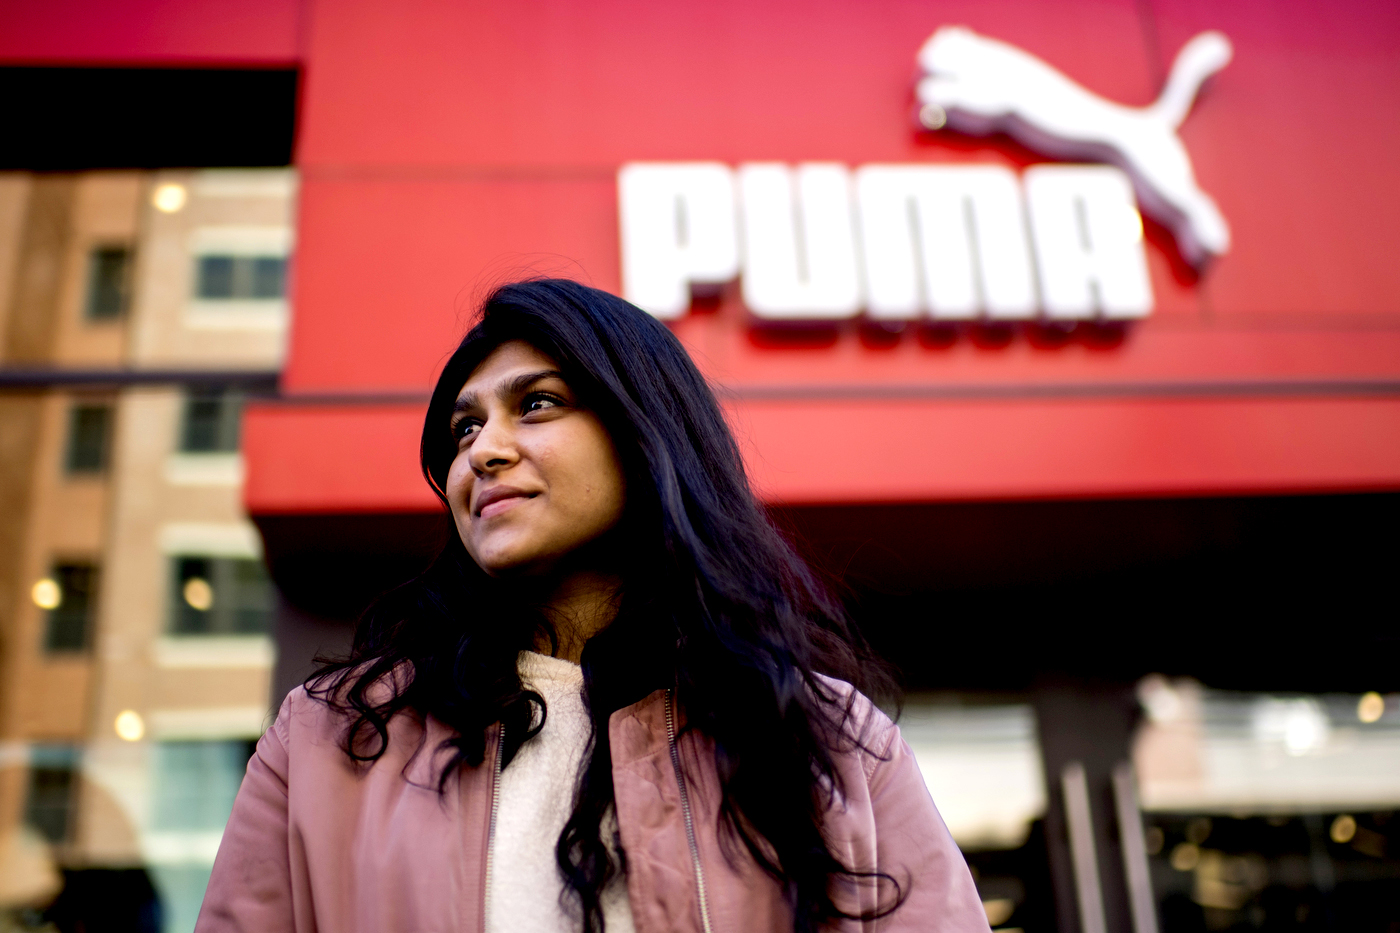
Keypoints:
pixel 1130 837
pixel 1082 851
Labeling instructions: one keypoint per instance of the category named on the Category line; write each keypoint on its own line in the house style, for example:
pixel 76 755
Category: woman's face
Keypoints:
pixel 536 476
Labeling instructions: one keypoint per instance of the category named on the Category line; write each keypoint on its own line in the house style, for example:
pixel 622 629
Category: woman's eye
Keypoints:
pixel 465 428
pixel 540 403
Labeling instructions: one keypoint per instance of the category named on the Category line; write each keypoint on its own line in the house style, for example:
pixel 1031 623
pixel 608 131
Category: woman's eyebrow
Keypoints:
pixel 523 381
pixel 512 387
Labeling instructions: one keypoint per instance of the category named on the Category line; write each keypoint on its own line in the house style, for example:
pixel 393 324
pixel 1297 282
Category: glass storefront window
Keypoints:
pixel 1269 811
pixel 982 765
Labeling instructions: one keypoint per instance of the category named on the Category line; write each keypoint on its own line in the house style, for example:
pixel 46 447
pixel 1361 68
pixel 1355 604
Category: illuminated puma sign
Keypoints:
pixel 820 241
pixel 983 86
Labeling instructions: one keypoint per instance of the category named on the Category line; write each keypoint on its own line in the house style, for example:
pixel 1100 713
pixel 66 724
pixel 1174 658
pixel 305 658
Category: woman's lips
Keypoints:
pixel 498 499
pixel 501 505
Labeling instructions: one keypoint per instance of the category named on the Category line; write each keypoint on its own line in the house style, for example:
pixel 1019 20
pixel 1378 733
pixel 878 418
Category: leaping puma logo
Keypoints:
pixel 985 86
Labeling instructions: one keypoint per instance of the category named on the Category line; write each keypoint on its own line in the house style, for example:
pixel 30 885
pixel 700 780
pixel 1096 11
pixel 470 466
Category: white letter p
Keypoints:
pixel 678 228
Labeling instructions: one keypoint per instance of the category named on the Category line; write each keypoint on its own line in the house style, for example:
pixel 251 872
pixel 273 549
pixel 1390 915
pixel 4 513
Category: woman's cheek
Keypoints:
pixel 459 490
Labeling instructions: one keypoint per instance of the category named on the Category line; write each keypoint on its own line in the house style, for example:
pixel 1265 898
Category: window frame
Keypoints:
pixel 246 271
pixel 93 312
pixel 227 422
pixel 87 625
pixel 65 758
pixel 74 445
pixel 222 573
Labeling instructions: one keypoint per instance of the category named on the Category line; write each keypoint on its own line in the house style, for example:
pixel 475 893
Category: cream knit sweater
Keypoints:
pixel 536 798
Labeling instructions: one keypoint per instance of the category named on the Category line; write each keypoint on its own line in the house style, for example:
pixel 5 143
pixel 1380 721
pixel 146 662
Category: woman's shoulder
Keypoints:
pixel 316 726
pixel 305 713
pixel 857 705
pixel 867 729
pixel 325 705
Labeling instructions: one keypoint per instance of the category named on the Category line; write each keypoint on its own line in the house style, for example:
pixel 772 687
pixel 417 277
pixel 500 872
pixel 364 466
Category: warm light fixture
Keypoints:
pixel 129 725
pixel 46 594
pixel 1370 708
pixel 198 593
pixel 1343 829
pixel 1185 856
pixel 169 198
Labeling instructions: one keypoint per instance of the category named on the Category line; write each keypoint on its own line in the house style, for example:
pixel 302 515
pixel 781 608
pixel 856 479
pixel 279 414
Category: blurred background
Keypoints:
pixel 1137 576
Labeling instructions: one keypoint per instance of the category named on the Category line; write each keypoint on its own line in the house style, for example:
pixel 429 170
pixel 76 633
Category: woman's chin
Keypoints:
pixel 505 563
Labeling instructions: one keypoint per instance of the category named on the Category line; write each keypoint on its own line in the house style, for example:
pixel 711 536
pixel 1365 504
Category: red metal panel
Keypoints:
pixel 911 451
pixel 330 459
pixel 143 32
pixel 555 83
pixel 1295 140
pixel 388 270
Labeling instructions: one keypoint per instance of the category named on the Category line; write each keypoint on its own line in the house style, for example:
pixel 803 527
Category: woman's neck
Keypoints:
pixel 580 605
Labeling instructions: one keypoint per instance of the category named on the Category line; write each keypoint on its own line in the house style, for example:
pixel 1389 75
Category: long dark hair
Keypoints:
pixel 715 604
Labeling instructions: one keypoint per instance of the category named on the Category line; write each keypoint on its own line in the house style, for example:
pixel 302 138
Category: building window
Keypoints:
pixel 211 422
pixel 52 781
pixel 196 782
pixel 69 624
pixel 89 430
pixel 220 596
pixel 109 270
pixel 227 278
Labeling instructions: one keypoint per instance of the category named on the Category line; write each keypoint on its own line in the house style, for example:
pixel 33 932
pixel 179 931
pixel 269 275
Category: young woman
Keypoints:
pixel 616 700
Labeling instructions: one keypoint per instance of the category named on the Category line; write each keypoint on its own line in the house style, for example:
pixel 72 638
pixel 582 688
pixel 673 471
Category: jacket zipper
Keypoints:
pixel 685 812
pixel 491 822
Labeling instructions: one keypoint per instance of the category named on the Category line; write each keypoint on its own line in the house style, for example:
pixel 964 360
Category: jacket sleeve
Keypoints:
pixel 914 846
pixel 250 889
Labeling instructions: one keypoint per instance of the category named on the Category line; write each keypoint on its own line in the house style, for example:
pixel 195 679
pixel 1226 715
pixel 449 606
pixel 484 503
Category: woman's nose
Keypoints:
pixel 494 447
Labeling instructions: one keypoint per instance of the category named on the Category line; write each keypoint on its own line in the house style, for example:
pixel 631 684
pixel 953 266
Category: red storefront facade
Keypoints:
pixel 445 148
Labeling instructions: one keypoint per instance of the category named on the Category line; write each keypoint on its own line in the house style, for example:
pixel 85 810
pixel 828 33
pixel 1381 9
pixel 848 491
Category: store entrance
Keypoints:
pixel 1186 638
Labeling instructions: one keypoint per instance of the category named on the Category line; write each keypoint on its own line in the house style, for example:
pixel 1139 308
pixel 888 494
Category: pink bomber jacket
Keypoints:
pixel 316 845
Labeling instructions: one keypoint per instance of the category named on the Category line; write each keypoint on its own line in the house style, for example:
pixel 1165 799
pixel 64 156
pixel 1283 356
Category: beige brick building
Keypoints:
pixel 137 310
